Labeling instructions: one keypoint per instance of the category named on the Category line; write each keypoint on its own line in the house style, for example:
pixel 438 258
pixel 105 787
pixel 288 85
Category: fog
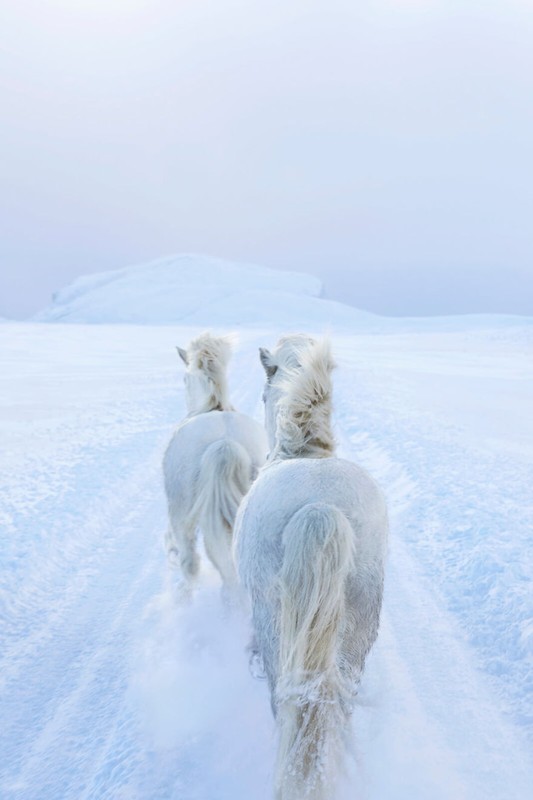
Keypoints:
pixel 385 146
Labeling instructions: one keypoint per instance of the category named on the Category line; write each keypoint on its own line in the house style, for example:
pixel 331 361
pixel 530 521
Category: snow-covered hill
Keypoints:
pixel 204 291
pixel 189 289
pixel 109 690
pixel 200 290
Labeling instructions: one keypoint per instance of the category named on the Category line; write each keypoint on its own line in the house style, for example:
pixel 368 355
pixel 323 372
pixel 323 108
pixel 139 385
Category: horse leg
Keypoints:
pixel 255 660
pixel 217 541
pixel 364 607
pixel 180 542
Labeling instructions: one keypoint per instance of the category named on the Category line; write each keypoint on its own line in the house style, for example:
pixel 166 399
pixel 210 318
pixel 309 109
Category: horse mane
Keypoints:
pixel 304 410
pixel 210 355
pixel 288 351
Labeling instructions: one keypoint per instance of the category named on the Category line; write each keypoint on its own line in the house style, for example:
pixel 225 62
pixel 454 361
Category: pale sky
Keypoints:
pixel 386 145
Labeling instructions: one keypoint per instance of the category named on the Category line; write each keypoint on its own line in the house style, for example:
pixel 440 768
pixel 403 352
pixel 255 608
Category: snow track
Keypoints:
pixel 110 690
pixel 79 611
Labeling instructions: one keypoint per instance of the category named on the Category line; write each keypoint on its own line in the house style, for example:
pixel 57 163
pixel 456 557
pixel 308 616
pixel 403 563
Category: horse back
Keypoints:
pixel 192 438
pixel 286 487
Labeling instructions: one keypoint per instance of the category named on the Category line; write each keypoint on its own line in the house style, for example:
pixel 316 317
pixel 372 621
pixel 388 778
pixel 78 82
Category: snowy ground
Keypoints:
pixel 108 689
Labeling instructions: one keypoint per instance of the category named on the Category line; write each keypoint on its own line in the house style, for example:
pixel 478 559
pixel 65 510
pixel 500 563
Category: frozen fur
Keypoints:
pixel 310 542
pixel 209 464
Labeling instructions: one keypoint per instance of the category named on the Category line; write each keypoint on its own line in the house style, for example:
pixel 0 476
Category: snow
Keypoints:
pixel 176 288
pixel 201 290
pixel 109 688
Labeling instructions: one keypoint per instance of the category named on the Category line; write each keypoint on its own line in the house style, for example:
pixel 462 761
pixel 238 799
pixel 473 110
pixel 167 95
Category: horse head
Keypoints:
pixel 206 360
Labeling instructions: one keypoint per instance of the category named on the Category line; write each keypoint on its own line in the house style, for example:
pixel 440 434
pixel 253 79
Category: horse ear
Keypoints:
pixel 268 362
pixel 183 355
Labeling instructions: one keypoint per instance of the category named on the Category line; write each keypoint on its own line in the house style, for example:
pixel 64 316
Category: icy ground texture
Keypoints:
pixel 109 689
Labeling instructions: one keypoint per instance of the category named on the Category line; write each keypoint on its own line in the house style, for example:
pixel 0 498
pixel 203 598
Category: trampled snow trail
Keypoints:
pixel 111 689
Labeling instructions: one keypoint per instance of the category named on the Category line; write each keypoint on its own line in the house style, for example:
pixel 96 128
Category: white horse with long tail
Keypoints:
pixel 310 543
pixel 210 463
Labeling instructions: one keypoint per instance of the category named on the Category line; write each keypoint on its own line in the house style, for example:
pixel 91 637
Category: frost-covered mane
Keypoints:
pixel 208 356
pixel 304 409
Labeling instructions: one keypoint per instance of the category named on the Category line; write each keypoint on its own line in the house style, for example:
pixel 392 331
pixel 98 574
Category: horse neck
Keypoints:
pixel 302 446
pixel 303 428
pixel 304 432
pixel 215 397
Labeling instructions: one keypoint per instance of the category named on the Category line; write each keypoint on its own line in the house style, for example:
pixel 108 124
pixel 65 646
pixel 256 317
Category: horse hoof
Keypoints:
pixel 256 666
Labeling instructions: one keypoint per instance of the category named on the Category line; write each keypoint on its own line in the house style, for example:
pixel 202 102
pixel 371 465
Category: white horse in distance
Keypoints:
pixel 210 463
pixel 310 543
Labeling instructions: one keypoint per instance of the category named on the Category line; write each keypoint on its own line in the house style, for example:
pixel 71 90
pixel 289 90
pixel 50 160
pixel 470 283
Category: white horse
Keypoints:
pixel 310 542
pixel 209 464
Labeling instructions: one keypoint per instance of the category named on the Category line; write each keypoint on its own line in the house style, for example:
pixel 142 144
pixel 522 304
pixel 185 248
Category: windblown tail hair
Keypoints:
pixel 312 698
pixel 225 477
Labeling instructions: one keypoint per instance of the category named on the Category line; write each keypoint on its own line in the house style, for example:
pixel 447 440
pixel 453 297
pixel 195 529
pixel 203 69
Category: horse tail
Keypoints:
pixel 224 478
pixel 312 698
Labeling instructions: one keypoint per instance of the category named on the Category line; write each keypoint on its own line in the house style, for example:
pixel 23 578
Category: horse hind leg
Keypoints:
pixel 364 607
pixel 180 544
pixel 256 665
pixel 217 542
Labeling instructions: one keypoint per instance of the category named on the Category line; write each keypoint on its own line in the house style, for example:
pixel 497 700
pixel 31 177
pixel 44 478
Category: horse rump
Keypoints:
pixel 225 475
